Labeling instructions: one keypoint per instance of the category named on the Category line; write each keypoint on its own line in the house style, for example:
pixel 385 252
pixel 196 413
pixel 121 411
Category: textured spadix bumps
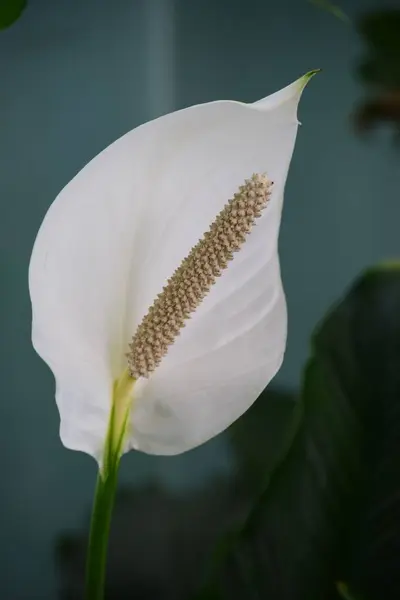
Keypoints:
pixel 115 236
pixel 197 273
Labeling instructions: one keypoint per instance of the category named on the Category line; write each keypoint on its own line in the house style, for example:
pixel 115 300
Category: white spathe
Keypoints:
pixel 116 233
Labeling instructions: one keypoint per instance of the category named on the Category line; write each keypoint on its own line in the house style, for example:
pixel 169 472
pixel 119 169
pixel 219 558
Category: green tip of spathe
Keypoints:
pixel 310 74
pixel 306 78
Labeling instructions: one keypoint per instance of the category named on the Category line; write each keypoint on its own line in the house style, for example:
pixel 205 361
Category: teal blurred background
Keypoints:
pixel 77 75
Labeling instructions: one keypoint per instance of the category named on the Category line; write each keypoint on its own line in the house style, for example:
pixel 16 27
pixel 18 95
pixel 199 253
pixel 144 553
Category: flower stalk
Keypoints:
pixel 99 533
pixel 107 479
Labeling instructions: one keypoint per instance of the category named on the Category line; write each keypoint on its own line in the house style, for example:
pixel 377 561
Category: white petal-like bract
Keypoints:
pixel 113 237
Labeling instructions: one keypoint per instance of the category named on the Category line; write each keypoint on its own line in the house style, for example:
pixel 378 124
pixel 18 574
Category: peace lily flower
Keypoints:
pixel 155 283
pixel 114 237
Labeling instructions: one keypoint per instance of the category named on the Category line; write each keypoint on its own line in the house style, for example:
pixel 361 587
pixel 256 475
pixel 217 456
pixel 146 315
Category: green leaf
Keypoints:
pixel 261 438
pixel 380 30
pixel 380 66
pixel 373 569
pixel 271 425
pixel 326 515
pixel 10 11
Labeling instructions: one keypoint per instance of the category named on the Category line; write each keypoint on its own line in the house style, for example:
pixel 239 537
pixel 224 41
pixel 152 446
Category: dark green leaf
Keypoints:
pixel 380 67
pixel 263 436
pixel 10 11
pixel 331 511
pixel 373 571
pixel 380 30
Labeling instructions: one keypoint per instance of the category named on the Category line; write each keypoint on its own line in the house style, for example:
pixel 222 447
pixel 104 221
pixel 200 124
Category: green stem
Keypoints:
pixel 106 488
pixel 99 532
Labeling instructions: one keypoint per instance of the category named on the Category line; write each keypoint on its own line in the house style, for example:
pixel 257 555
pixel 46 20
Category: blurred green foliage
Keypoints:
pixel 379 70
pixel 380 31
pixel 330 509
pixel 10 11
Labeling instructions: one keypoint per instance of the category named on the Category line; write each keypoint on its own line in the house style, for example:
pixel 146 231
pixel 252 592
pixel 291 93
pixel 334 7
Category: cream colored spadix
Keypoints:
pixel 116 234
pixel 192 281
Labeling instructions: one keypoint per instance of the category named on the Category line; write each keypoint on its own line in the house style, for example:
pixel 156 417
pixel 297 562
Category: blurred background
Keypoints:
pixel 77 75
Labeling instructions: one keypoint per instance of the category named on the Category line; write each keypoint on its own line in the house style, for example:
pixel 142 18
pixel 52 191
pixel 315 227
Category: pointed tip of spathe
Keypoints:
pixel 306 78
pixel 293 91
pixel 311 73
